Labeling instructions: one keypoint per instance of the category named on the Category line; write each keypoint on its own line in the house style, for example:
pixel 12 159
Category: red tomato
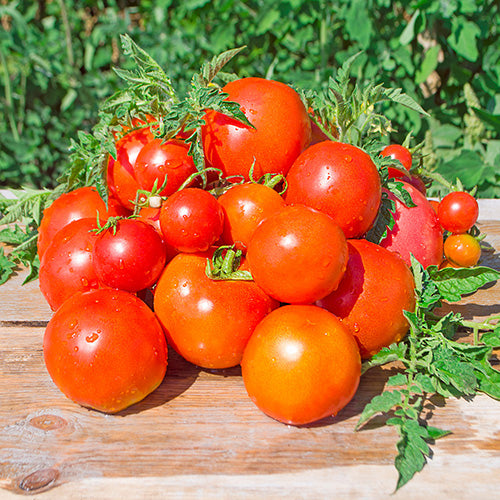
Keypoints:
pixel 67 266
pixel 158 160
pixel 208 322
pixel 372 302
pixel 191 220
pixel 129 256
pixel 297 255
pixel 301 364
pixel 458 212
pixel 416 230
pixel 78 204
pixel 282 129
pixel 398 152
pixel 245 207
pixel 340 180
pixel 462 250
pixel 105 349
pixel 122 183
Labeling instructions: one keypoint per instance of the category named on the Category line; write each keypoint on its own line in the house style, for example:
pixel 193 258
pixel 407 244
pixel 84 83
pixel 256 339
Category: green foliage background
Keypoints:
pixel 56 60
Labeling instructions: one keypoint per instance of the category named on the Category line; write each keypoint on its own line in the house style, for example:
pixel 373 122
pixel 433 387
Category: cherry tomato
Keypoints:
pixel 67 266
pixel 282 129
pixel 301 364
pixel 129 256
pixel 297 255
pixel 462 250
pixel 416 230
pixel 191 220
pixel 208 322
pixel 105 349
pixel 372 302
pixel 458 212
pixel 340 180
pixel 158 160
pixel 78 204
pixel 122 183
pixel 245 207
pixel 398 152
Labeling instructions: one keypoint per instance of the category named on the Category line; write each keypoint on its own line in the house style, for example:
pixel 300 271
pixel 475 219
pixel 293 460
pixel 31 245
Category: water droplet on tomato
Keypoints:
pixel 85 281
pixel 73 324
pixel 121 265
pixel 75 348
pixel 356 328
pixel 92 337
pixel 348 158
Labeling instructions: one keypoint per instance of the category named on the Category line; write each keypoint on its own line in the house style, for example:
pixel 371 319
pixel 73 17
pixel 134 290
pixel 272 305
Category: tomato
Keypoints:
pixel 191 220
pixel 301 364
pixel 340 180
pixel 462 250
pixel 105 349
pixel 67 266
pixel 416 230
pixel 78 204
pixel 158 160
pixel 282 129
pixel 297 255
pixel 245 207
pixel 458 212
pixel 208 322
pixel 398 152
pixel 372 302
pixel 129 256
pixel 122 183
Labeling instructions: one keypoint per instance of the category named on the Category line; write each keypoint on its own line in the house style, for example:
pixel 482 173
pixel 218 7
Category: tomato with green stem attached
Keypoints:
pixel 458 212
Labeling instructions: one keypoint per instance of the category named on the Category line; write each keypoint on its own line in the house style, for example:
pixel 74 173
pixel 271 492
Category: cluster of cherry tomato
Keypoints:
pixel 286 285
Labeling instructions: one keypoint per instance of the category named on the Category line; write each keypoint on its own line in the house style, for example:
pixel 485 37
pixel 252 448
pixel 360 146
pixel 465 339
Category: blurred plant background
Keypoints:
pixel 56 60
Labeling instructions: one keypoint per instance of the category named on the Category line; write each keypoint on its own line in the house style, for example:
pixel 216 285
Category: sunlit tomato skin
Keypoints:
pixel 298 255
pixel 340 180
pixel 206 321
pixel 458 212
pixel 129 256
pixel 398 152
pixel 191 220
pixel 462 250
pixel 67 265
pixel 245 207
pixel 105 349
pixel 158 160
pixel 81 203
pixel 375 290
pixel 122 183
pixel 416 230
pixel 301 364
pixel 282 129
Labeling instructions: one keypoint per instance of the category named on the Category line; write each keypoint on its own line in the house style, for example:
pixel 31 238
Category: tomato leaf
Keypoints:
pixel 382 403
pixel 6 267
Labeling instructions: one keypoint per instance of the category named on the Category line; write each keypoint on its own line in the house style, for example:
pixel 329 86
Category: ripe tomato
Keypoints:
pixel 340 180
pixel 208 322
pixel 282 129
pixel 67 266
pixel 301 364
pixel 298 255
pixel 191 220
pixel 158 160
pixel 78 204
pixel 462 250
pixel 130 256
pixel 372 302
pixel 105 349
pixel 398 152
pixel 458 212
pixel 122 183
pixel 245 207
pixel 416 230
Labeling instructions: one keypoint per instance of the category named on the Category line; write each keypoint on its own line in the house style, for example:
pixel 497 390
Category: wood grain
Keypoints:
pixel 199 435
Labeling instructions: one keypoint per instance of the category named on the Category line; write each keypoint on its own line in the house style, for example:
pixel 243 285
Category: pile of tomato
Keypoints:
pixel 283 283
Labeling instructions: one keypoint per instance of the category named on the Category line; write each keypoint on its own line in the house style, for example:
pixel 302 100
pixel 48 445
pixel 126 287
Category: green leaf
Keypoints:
pixel 381 403
pixel 6 267
pixel 210 69
pixel 454 283
pixel 429 64
pixel 408 33
pixel 463 38
pixel 488 119
pixel 395 352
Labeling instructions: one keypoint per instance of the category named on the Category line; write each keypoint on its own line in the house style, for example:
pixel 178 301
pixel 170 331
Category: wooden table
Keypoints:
pixel 199 435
